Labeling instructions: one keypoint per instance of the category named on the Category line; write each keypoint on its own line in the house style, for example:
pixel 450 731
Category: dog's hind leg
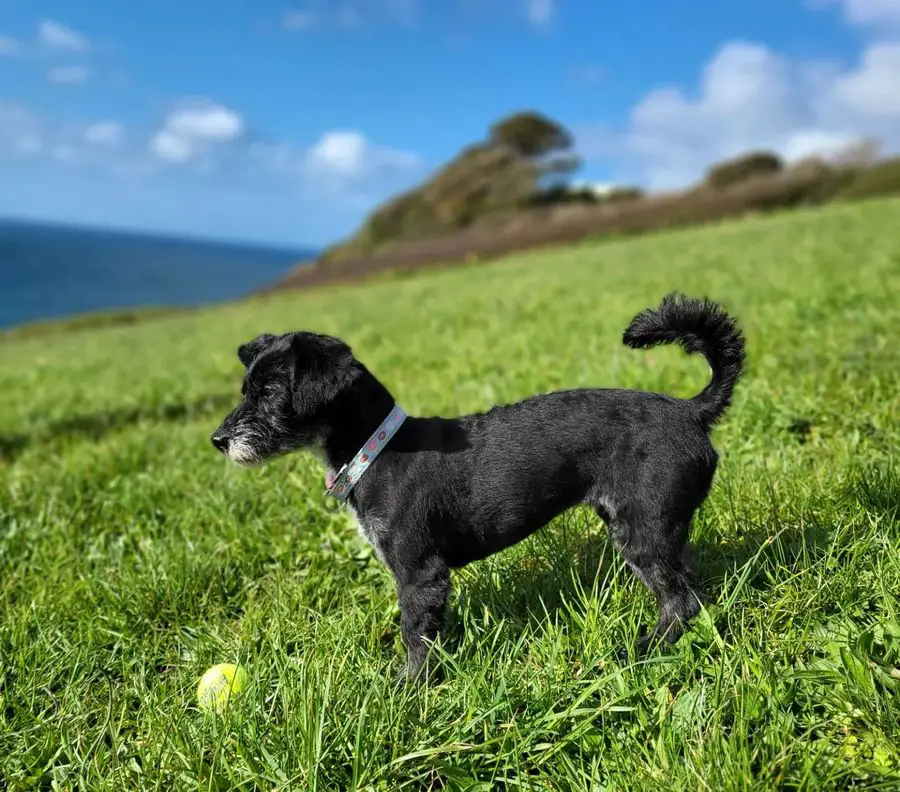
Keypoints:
pixel 654 549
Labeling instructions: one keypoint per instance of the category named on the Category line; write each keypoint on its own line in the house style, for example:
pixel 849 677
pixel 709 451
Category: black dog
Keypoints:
pixel 448 491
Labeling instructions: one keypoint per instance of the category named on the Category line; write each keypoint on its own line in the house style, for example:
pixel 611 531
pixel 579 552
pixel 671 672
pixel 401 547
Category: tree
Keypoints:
pixel 540 139
pixel 531 134
pixel 747 166
pixel 526 158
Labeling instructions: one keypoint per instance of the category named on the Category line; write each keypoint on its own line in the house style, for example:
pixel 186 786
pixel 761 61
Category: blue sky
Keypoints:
pixel 287 121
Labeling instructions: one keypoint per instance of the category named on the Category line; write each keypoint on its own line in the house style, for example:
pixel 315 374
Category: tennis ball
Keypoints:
pixel 218 684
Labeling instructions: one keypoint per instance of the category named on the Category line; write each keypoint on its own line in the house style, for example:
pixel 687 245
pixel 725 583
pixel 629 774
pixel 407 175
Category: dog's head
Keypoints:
pixel 290 385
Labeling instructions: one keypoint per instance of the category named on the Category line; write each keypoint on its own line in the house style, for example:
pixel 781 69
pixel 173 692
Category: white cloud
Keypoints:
pixel 171 147
pixel 864 13
pixel 25 132
pixel 200 137
pixel 58 36
pixel 540 13
pixel 872 90
pixel 8 45
pixel 206 122
pixel 750 98
pixel 104 133
pixel 347 155
pixel 193 129
pixel 350 15
pixel 68 75
pixel 872 12
pixel 818 142
pixel 341 152
pixel 342 166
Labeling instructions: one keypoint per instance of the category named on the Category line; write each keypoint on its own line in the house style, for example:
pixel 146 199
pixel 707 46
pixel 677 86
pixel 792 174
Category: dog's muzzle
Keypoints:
pixel 220 441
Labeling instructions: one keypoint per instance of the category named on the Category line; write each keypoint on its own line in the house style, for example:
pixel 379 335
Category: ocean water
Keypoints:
pixel 49 271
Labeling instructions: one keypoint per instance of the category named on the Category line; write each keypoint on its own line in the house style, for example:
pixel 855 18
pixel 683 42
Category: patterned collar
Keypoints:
pixel 340 485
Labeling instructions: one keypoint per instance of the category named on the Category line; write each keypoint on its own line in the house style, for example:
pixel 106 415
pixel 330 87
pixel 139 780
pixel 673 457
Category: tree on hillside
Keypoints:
pixel 540 139
pixel 530 134
pixel 526 159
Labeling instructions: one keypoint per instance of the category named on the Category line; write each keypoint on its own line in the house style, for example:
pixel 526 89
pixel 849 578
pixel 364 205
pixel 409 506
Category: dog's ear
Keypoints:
pixel 248 352
pixel 323 367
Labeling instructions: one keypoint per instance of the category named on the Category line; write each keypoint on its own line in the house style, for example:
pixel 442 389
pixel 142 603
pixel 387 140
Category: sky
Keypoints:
pixel 287 122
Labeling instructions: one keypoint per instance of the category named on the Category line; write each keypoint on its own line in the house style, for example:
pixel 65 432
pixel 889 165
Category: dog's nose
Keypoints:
pixel 220 441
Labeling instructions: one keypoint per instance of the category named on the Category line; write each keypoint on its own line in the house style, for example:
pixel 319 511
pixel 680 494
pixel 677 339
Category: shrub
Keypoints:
pixel 623 194
pixel 882 178
pixel 390 220
pixel 733 171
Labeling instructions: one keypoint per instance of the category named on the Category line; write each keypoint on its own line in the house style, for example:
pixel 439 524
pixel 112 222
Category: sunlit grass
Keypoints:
pixel 132 556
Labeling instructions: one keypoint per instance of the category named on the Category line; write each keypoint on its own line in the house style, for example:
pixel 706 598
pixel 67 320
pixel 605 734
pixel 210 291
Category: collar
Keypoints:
pixel 340 484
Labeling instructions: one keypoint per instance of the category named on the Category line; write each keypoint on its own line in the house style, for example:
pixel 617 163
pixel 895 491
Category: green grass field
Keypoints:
pixel 132 556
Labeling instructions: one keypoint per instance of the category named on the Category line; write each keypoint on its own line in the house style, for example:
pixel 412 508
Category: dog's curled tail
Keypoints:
pixel 698 326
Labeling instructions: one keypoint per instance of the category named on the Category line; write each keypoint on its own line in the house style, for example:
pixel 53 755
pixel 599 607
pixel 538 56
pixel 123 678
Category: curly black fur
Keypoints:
pixel 697 326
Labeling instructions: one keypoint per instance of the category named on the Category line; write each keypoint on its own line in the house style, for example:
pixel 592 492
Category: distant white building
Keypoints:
pixel 600 189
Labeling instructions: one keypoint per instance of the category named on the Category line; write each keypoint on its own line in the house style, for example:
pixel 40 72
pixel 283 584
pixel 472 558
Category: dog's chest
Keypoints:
pixel 371 529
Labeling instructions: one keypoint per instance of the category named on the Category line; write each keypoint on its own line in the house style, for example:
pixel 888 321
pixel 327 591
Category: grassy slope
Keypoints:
pixel 132 557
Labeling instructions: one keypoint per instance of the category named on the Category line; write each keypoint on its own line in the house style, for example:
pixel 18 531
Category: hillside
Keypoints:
pixel 132 557
pixel 514 191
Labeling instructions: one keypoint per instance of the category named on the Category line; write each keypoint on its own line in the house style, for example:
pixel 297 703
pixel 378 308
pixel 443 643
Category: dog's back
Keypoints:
pixel 644 461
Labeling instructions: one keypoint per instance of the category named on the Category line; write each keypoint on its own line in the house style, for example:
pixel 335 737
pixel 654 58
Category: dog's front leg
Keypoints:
pixel 424 590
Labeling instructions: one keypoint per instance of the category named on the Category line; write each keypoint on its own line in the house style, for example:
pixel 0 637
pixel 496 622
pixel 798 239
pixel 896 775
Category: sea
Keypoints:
pixel 51 271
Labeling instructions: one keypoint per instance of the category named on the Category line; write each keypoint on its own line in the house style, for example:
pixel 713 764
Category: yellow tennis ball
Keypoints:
pixel 218 684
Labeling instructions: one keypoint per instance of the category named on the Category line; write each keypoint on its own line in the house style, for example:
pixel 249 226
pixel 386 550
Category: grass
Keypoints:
pixel 91 320
pixel 132 557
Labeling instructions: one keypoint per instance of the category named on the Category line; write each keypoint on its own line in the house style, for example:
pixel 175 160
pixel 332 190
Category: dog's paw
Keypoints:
pixel 641 648
pixel 631 654
pixel 651 642
pixel 424 675
pixel 407 677
pixel 646 644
